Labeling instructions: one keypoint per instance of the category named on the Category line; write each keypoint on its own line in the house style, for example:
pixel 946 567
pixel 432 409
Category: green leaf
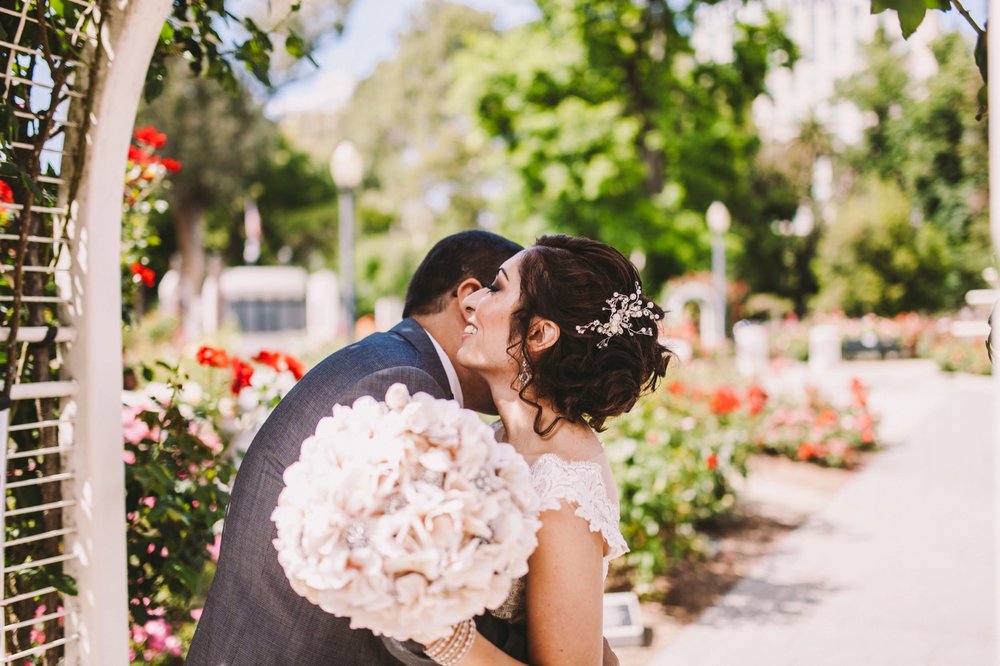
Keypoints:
pixel 980 54
pixel 30 184
pixel 296 46
pixel 909 12
pixel 65 584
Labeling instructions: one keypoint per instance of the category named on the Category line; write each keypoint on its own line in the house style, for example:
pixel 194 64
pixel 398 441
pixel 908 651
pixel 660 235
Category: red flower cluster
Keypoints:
pixel 171 165
pixel 808 451
pixel 150 136
pixel 6 194
pixel 712 461
pixel 138 155
pixel 242 373
pixel 150 140
pixel 725 400
pixel 212 356
pixel 145 273
pixel 860 392
pixel 756 400
pixel 826 418
pixel 676 388
pixel 281 362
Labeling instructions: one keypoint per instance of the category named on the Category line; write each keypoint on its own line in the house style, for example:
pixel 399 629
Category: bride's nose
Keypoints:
pixel 471 301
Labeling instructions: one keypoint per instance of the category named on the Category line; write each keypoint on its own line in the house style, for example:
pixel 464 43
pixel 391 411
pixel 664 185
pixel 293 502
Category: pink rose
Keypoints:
pixel 213 548
pixel 134 429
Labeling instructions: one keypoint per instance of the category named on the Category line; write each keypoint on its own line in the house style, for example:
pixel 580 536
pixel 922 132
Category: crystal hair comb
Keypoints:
pixel 623 308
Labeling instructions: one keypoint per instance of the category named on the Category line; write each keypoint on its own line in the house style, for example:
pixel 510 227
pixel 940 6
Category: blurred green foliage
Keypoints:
pixel 611 128
pixel 599 119
pixel 873 260
pixel 927 220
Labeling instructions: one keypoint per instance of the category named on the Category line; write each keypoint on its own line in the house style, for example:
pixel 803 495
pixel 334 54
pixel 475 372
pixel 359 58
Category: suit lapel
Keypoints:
pixel 414 333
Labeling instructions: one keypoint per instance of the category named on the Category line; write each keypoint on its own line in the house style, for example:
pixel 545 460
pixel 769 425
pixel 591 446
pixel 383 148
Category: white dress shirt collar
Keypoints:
pixel 449 369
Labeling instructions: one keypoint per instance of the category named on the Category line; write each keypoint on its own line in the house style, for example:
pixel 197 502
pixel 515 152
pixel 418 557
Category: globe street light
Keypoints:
pixel 347 169
pixel 718 223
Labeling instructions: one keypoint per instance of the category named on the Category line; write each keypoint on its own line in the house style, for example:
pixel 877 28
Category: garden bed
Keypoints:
pixel 778 496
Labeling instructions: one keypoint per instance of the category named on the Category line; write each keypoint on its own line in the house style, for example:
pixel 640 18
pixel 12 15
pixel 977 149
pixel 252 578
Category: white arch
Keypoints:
pixel 710 308
pixel 99 613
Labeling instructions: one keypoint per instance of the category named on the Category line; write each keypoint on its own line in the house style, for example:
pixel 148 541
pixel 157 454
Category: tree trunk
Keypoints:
pixel 188 220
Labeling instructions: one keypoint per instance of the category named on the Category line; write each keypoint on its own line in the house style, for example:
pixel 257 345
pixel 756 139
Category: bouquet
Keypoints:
pixel 406 516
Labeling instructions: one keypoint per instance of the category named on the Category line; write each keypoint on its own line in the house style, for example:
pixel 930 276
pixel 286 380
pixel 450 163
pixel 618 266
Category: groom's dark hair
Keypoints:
pixel 476 254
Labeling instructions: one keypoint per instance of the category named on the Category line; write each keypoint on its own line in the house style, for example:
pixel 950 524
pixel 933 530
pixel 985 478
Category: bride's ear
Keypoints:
pixel 542 334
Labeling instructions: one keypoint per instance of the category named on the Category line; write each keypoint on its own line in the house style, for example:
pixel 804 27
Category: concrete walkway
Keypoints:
pixel 899 568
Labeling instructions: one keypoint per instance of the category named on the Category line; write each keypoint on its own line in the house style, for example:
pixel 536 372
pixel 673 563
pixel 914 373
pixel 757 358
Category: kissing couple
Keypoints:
pixel 555 339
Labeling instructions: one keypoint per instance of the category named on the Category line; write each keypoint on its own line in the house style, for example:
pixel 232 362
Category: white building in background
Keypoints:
pixel 831 35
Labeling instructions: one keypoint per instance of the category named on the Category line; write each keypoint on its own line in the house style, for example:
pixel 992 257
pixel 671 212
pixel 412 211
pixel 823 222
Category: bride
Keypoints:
pixel 566 339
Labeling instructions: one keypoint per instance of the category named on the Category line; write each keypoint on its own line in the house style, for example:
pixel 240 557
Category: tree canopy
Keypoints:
pixel 613 128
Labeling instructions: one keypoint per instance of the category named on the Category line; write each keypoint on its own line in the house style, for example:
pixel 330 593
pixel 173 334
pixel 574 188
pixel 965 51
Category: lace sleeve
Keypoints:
pixel 576 482
pixel 581 483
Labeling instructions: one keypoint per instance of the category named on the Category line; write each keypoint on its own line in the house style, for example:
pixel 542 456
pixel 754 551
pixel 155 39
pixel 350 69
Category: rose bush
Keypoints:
pixel 145 175
pixel 180 436
pixel 677 454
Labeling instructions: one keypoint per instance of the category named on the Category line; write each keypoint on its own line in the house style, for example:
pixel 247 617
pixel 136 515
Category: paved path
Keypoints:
pixel 899 568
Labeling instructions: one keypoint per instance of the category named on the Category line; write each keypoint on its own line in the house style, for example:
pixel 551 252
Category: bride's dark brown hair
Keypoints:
pixel 569 280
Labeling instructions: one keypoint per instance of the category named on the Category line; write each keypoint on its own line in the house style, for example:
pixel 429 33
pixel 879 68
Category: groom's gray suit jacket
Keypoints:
pixel 252 616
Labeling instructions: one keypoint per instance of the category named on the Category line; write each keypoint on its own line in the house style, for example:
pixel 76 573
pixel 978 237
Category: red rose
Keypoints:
pixel 242 372
pixel 138 155
pixel 212 356
pixel 860 392
pixel 173 166
pixel 806 451
pixel 295 366
pixel 756 400
pixel 280 362
pixel 6 194
pixel 675 387
pixel 712 461
pixel 725 400
pixel 150 136
pixel 268 358
pixel 145 273
pixel 826 417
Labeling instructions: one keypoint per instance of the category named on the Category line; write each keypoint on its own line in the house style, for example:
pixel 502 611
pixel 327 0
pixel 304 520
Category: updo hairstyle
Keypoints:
pixel 569 280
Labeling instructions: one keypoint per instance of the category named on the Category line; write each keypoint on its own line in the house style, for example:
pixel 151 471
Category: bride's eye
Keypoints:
pixel 493 288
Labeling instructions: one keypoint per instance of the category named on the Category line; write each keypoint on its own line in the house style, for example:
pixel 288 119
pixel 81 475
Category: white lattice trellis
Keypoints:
pixel 63 480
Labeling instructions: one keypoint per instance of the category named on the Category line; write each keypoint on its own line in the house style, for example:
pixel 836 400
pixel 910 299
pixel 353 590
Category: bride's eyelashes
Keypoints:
pixel 492 288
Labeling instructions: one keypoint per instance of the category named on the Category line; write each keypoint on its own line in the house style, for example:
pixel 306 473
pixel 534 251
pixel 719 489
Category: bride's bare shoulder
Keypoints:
pixel 576 442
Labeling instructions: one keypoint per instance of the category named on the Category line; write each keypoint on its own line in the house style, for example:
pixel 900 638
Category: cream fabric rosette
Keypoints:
pixel 406 516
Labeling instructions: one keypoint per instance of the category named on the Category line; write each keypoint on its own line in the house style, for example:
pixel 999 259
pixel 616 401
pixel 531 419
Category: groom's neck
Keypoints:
pixel 446 329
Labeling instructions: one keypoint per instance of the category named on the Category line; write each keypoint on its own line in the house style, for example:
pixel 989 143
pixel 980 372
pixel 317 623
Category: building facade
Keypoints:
pixel 831 36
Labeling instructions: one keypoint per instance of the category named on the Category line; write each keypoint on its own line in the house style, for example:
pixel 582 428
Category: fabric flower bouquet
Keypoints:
pixel 406 516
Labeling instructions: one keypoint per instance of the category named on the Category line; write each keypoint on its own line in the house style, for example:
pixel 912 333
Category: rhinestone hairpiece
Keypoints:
pixel 623 308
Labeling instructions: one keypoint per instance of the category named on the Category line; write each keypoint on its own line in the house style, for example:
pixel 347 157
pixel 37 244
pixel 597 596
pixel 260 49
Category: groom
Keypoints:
pixel 252 617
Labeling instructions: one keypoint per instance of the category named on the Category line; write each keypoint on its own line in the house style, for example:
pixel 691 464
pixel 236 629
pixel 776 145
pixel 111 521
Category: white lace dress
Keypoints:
pixel 588 485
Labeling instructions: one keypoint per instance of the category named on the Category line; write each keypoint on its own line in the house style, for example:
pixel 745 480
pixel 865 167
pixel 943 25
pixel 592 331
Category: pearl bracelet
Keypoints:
pixel 453 649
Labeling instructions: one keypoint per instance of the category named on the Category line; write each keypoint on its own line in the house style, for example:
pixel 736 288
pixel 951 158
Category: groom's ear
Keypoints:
pixel 465 288
pixel 542 334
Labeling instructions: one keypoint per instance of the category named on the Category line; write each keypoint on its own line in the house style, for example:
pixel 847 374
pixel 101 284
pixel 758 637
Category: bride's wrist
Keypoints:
pixel 451 650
